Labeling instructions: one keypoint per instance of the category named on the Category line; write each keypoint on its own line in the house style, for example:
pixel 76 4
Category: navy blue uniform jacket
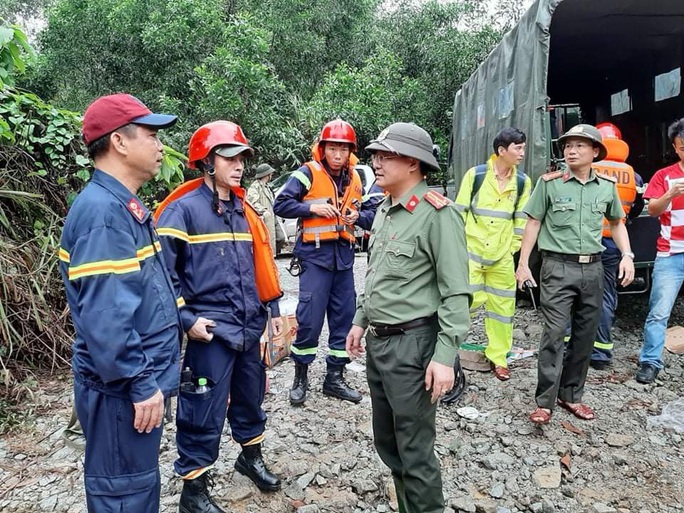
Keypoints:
pixel 211 262
pixel 122 303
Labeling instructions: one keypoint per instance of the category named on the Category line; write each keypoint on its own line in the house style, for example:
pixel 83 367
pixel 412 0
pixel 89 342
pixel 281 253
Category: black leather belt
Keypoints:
pixel 580 259
pixel 387 330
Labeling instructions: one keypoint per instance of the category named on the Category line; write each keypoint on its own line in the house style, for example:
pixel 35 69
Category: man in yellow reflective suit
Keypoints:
pixel 491 201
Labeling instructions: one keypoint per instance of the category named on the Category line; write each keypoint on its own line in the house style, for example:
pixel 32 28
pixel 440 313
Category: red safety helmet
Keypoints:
pixel 338 131
pixel 217 133
pixel 609 131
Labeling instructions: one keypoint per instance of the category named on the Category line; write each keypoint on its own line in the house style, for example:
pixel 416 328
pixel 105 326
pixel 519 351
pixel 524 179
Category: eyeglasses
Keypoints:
pixel 378 158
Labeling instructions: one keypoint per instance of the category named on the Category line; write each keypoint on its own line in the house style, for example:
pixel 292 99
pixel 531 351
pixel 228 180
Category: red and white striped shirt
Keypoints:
pixel 671 239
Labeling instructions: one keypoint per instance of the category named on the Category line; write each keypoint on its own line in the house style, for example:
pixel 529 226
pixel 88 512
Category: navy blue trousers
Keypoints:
pixel 200 417
pixel 603 346
pixel 324 292
pixel 121 465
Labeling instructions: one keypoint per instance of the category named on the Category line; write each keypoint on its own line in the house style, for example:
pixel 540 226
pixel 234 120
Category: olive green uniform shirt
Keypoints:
pixel 572 212
pixel 418 266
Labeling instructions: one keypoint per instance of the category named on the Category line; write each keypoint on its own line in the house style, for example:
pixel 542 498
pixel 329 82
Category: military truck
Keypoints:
pixel 572 61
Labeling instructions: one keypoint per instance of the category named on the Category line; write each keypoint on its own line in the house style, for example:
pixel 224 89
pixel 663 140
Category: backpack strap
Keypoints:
pixel 520 183
pixel 481 172
pixel 478 180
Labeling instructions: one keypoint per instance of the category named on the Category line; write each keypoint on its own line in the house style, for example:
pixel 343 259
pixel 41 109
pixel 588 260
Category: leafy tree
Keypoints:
pixel 310 38
pixel 14 50
pixel 370 98
pixel 96 47
pixel 440 44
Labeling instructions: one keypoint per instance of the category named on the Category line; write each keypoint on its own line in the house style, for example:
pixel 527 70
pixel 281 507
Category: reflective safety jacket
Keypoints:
pixel 331 254
pixel 614 165
pixel 210 259
pixel 493 225
pixel 323 190
pixel 121 299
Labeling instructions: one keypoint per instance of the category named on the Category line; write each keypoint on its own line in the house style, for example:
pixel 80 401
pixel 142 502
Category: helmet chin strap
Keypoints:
pixel 208 168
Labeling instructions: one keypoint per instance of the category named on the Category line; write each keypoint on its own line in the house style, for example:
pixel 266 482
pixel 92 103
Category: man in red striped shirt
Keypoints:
pixel 665 193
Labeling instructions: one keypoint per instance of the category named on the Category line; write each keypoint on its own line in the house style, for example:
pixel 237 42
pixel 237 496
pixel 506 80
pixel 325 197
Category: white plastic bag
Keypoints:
pixel 672 416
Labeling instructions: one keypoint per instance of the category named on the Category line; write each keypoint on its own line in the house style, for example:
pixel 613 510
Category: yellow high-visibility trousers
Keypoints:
pixel 494 287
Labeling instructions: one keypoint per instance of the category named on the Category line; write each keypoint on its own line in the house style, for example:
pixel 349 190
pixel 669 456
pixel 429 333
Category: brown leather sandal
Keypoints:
pixel 502 373
pixel 540 416
pixel 581 411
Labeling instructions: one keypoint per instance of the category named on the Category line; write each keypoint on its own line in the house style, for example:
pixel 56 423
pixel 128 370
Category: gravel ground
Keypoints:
pixel 496 463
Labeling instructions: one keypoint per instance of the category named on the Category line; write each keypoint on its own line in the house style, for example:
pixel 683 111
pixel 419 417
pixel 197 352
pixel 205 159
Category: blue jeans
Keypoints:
pixel 668 275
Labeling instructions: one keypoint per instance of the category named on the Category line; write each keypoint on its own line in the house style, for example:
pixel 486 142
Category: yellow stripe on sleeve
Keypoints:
pixel 204 238
pixel 128 265
pixel 64 255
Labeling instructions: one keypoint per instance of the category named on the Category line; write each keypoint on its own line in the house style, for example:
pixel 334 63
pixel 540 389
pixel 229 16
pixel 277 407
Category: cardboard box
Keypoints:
pixel 277 348
pixel 674 339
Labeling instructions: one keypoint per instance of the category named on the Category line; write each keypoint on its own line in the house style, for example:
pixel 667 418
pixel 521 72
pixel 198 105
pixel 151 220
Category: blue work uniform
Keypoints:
pixel 127 344
pixel 211 262
pixel 326 282
pixel 603 346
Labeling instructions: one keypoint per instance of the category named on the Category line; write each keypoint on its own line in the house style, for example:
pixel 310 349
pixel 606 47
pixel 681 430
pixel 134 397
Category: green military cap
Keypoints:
pixel 264 170
pixel 586 132
pixel 406 139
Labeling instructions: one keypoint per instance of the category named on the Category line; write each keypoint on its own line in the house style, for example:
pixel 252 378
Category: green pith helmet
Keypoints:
pixel 586 132
pixel 406 139
pixel 263 170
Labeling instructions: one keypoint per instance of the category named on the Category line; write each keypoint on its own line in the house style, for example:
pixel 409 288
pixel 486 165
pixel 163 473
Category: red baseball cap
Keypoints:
pixel 108 113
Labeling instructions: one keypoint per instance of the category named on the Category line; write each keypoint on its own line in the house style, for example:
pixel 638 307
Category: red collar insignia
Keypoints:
pixel 136 208
pixel 412 203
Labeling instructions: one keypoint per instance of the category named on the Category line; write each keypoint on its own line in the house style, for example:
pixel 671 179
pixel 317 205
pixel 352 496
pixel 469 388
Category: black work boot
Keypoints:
pixel 300 384
pixel 335 386
pixel 195 496
pixel 250 463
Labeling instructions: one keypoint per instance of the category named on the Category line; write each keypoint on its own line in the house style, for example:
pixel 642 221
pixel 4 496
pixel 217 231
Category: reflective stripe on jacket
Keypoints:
pixel 324 191
pixel 626 186
pixel 495 227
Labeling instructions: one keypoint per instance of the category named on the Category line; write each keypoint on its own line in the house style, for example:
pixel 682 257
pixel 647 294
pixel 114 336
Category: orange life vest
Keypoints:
pixel 265 270
pixel 323 190
pixel 614 165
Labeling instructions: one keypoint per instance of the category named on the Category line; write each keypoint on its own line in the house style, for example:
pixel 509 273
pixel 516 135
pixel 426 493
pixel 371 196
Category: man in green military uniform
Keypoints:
pixel 566 212
pixel 416 308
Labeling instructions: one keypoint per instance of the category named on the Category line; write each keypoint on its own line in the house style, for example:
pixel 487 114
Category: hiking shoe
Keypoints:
pixel 647 373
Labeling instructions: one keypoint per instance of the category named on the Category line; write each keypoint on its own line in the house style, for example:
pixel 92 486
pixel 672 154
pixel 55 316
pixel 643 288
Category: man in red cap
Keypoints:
pixel 126 351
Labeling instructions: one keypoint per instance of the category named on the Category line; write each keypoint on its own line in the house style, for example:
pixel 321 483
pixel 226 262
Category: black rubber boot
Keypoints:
pixel 250 463
pixel 195 496
pixel 300 384
pixel 335 386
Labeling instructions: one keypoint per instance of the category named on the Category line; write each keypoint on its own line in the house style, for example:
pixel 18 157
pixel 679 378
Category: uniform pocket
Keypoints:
pixel 195 410
pixel 598 210
pixel 562 213
pixel 399 258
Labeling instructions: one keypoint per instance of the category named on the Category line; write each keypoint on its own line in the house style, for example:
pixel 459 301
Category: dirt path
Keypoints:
pixel 497 463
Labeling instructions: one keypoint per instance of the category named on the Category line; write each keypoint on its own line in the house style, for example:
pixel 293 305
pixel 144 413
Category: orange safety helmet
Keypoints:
pixel 609 131
pixel 217 133
pixel 338 131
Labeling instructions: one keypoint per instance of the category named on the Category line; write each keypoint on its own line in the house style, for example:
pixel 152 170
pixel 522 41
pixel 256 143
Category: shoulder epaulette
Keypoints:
pixel 551 176
pixel 436 200
pixel 606 177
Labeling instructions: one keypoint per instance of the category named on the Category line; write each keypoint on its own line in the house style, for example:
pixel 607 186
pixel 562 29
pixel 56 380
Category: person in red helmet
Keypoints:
pixel 217 250
pixel 326 195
